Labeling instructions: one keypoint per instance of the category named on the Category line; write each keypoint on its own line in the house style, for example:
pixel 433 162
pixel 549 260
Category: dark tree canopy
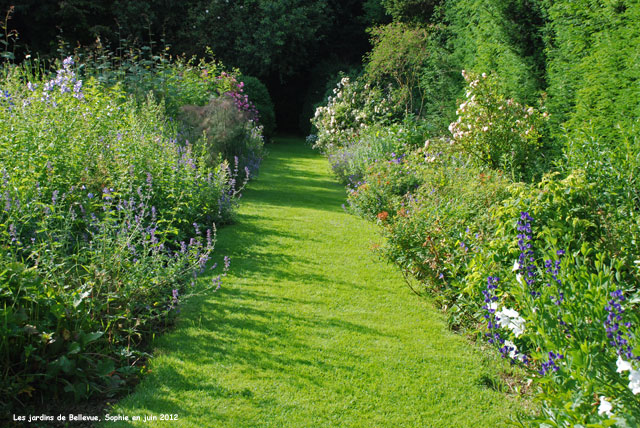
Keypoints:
pixel 278 41
pixel 262 37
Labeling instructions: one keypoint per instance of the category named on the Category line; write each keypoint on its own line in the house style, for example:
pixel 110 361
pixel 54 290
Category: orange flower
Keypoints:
pixel 383 215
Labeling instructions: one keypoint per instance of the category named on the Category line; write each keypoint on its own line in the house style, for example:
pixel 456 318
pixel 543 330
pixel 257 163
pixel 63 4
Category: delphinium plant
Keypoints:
pixel 570 320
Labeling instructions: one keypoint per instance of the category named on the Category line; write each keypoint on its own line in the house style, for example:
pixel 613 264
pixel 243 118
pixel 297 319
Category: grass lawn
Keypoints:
pixel 310 329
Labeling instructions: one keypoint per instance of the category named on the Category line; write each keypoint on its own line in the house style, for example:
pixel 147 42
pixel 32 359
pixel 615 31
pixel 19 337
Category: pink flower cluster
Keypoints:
pixel 240 98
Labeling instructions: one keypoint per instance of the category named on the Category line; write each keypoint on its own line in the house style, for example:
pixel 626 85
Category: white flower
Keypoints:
pixel 634 375
pixel 623 366
pixel 511 319
pixel 492 305
pixel 634 381
pixel 516 266
pixel 513 352
pixel 514 349
pixel 519 278
pixel 605 407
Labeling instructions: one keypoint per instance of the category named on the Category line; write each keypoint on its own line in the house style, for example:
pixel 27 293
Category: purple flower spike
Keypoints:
pixel 617 330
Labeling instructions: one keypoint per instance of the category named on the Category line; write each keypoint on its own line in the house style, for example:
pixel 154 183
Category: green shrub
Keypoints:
pixel 497 132
pixel 570 319
pixel 437 207
pixel 613 168
pixel 227 133
pixel 385 182
pixel 354 107
pixel 414 61
pixel 85 286
pixel 419 11
pixel 174 82
pixel 103 225
pixel 399 54
pixel 103 140
pixel 376 144
pixel 259 96
pixel 502 37
pixel 591 67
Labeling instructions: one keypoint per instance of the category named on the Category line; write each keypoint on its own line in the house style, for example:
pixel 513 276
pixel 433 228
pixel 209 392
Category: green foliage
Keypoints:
pixel 594 99
pixel 354 107
pixel 501 36
pixel 101 229
pixel 260 37
pixel 188 86
pixel 416 11
pixel 8 37
pixel 376 143
pixel 613 169
pixel 82 295
pixel 176 82
pixel 263 38
pixel 400 54
pixel 497 132
pixel 591 66
pixel 434 207
pixel 375 12
pixel 417 64
pixel 226 132
pixel 564 301
pixel 259 96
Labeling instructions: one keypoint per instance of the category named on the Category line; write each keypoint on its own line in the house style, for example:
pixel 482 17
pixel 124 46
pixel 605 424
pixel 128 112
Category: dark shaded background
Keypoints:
pixel 282 42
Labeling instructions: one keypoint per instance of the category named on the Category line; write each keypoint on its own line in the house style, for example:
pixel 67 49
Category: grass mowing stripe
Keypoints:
pixel 310 329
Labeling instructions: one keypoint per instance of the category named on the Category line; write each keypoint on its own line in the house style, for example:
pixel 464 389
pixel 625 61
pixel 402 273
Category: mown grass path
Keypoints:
pixel 310 329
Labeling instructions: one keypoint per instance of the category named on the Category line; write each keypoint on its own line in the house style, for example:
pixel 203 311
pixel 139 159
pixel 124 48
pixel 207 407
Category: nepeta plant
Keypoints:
pixel 106 223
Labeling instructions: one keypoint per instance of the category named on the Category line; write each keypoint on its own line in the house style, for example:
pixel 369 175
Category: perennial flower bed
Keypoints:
pixel 528 267
pixel 107 219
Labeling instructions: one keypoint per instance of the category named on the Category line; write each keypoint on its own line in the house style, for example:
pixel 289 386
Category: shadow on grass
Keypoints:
pixel 258 330
pixel 287 184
